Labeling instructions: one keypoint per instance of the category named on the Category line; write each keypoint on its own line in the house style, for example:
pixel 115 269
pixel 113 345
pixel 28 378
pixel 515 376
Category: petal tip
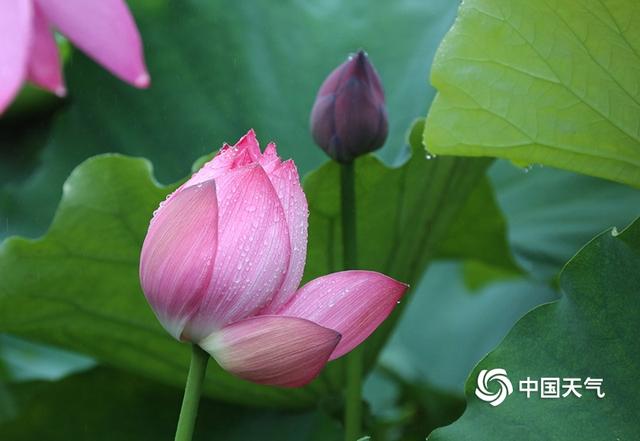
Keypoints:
pixel 142 81
pixel 60 91
pixel 354 303
pixel 271 149
pixel 249 142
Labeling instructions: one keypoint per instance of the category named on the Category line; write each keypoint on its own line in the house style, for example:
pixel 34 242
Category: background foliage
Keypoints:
pixel 554 83
pixel 496 235
pixel 587 333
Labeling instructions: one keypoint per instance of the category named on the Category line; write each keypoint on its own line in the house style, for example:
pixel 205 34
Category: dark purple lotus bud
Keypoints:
pixel 349 117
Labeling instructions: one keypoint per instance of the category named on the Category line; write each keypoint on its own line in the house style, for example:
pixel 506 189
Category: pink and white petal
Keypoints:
pixel 253 251
pixel 270 159
pixel 104 30
pixel 178 255
pixel 245 152
pixel 16 25
pixel 274 350
pixel 286 181
pixel 44 62
pixel 353 303
pixel 249 142
pixel 221 163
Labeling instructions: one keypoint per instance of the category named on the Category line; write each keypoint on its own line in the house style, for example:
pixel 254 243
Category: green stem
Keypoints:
pixel 353 407
pixel 192 392
pixel 348 193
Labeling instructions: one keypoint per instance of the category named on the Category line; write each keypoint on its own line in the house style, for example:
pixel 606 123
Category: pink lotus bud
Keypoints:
pixel 103 29
pixel 222 262
pixel 349 117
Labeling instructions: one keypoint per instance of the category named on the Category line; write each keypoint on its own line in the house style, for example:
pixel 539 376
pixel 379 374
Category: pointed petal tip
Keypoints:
pixel 249 141
pixel 287 170
pixel 270 159
pixel 249 136
pixel 60 91
pixel 143 81
pixel 392 280
pixel 284 167
pixel 271 148
pixel 360 301
pixel 105 30
pixel 360 64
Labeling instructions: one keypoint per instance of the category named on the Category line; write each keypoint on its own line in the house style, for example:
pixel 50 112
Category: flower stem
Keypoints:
pixel 353 407
pixel 192 392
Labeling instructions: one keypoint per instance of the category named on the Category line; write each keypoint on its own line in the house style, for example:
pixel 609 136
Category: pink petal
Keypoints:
pixel 105 30
pixel 280 351
pixel 249 143
pixel 270 159
pixel 178 255
pixel 253 250
pixel 353 303
pixel 221 163
pixel 44 62
pixel 284 178
pixel 286 181
pixel 246 151
pixel 15 40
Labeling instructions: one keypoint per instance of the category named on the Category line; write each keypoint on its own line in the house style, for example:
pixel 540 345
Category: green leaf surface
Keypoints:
pixel 7 405
pixel 592 331
pixel 219 68
pixel 446 329
pixel 25 360
pixel 105 404
pixel 77 287
pixel 479 233
pixel 411 409
pixel 477 274
pixel 549 82
pixel 551 213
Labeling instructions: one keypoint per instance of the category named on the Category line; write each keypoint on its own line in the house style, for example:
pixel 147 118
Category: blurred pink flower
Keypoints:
pixel 222 262
pixel 103 29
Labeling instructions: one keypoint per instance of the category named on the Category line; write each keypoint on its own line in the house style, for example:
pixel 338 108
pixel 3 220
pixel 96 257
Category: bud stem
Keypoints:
pixel 192 392
pixel 353 407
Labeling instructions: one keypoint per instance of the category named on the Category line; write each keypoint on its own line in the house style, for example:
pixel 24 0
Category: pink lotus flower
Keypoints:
pixel 104 29
pixel 222 262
